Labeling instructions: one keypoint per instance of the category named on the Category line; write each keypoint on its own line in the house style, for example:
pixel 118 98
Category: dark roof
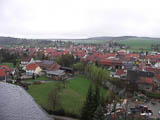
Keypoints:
pixel 17 104
pixel 27 59
pixel 48 62
pixel 146 74
pixel 66 68
pixel 132 74
pixel 57 72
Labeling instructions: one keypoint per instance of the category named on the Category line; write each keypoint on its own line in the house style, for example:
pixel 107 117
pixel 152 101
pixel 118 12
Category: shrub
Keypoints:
pixel 153 95
pixel 37 82
pixel 60 112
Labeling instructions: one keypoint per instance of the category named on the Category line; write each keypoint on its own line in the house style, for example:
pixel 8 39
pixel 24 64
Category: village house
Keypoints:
pixel 5 68
pixel 114 63
pixel 146 84
pixel 120 73
pixel 153 59
pixel 152 69
pixel 48 65
pixel 141 80
pixel 157 80
pixel 33 68
pixel 25 62
pixel 2 75
pixel 67 70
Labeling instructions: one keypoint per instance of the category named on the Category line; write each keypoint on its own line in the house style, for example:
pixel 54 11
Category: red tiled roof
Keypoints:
pixel 31 66
pixel 120 72
pixel 66 52
pixel 91 58
pixel 103 56
pixel 81 53
pixel 5 68
pixel 117 62
pixel 155 70
pixel 26 59
pixel 128 56
pixel 142 67
pixel 110 62
pixel 2 73
pixel 56 54
pixel 146 80
pixel 152 56
pixel 95 54
pixel 106 62
pixel 157 76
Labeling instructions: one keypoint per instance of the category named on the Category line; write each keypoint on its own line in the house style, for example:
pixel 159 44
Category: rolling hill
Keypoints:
pixel 128 40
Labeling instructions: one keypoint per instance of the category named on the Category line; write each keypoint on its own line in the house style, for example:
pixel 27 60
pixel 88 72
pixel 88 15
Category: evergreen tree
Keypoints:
pixel 33 76
pixel 99 113
pixel 96 99
pixel 87 108
pixel 93 100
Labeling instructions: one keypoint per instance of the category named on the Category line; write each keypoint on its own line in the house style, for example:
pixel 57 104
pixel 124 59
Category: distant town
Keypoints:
pixel 87 81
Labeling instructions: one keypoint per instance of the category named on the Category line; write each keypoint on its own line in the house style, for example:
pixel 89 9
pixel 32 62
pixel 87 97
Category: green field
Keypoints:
pixel 10 65
pixel 139 44
pixel 72 97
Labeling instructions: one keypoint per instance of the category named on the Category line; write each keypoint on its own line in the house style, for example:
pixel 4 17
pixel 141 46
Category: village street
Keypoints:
pixel 155 108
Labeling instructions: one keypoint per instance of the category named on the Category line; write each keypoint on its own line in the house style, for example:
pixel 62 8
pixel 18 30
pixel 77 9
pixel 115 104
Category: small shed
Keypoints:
pixel 2 75
pixel 56 75
pixel 67 69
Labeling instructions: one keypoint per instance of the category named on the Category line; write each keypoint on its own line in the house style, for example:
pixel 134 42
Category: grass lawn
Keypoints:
pixel 10 65
pixel 72 97
pixel 41 78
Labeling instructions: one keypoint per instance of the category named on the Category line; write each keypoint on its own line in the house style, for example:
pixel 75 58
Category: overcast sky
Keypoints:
pixel 79 18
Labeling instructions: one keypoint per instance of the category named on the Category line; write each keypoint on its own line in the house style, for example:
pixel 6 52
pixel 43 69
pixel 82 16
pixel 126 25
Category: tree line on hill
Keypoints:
pixel 155 47
pixel 10 41
pixel 8 56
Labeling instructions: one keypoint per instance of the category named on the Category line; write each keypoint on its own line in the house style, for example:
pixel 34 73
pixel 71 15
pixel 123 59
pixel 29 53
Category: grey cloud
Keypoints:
pixel 83 18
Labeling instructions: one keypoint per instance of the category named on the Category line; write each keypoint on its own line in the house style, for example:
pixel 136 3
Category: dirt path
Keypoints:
pixel 63 118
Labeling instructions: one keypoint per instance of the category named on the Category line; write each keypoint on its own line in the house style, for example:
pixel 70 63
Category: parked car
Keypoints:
pixel 142 108
pixel 135 110
pixel 150 111
pixel 153 102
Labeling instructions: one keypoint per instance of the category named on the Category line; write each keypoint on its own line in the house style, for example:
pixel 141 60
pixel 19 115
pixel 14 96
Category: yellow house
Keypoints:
pixel 33 68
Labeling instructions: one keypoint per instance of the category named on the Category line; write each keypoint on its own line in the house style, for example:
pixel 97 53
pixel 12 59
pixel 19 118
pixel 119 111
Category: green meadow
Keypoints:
pixel 139 44
pixel 72 97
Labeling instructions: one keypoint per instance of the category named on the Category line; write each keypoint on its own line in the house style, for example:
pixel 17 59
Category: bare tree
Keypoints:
pixel 54 99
